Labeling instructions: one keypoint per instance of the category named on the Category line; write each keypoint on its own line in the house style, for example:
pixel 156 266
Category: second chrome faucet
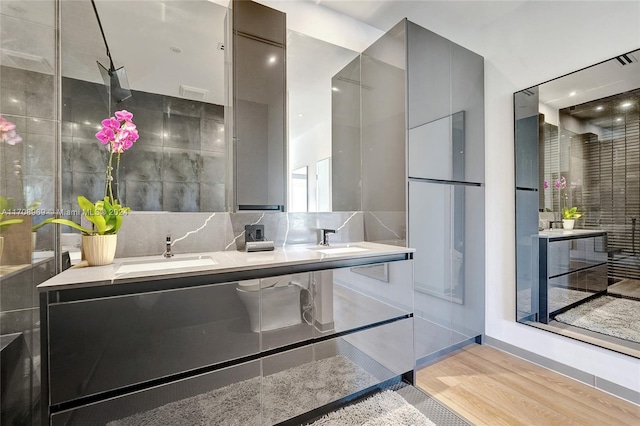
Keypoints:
pixel 167 250
pixel 325 236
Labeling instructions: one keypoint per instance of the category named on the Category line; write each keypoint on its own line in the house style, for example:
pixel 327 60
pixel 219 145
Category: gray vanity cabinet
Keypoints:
pixel 217 349
pixel 573 268
pixel 259 123
pixel 445 108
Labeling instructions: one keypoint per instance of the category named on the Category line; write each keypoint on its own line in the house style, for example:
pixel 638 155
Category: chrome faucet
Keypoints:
pixel 551 222
pixel 167 251
pixel 325 236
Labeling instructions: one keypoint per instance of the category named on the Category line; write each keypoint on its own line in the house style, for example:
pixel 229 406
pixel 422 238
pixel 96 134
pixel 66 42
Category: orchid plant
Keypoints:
pixel 4 204
pixel 119 134
pixel 9 137
pixel 567 213
pixel 8 133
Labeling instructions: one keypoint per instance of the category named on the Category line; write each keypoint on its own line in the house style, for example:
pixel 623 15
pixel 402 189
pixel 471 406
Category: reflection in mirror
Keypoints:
pixel 181 161
pixel 323 182
pixel 311 66
pixel 577 145
pixel 177 100
pixel 299 190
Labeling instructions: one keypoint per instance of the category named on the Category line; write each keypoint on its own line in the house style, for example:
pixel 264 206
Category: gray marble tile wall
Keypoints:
pixel 27 168
pixel 178 164
pixel 144 233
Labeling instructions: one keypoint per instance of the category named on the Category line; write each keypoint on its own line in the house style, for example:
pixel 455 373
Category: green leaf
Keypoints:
pixel 571 213
pixel 11 222
pixel 93 213
pixel 105 217
pixel 64 222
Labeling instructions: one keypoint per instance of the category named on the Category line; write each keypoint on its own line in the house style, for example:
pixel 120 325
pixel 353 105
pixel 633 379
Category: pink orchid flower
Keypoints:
pixel 118 131
pixel 8 133
pixel 124 115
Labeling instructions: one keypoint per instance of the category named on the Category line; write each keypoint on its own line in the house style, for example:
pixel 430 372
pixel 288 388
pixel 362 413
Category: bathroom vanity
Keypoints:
pixel 226 337
pixel 572 268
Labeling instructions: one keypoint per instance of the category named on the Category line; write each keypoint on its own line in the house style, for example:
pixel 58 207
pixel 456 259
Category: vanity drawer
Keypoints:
pixel 266 391
pixel 97 345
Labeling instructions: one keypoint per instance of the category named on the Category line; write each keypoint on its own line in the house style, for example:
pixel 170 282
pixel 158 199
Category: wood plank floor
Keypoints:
pixel 491 387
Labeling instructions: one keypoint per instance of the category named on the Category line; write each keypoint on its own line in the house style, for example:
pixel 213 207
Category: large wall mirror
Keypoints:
pixel 578 204
pixel 179 97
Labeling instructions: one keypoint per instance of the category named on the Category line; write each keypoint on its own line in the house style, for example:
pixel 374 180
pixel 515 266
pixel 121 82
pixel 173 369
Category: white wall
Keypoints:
pixel 536 42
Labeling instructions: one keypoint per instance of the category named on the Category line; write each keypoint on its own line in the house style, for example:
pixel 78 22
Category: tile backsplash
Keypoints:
pixel 144 233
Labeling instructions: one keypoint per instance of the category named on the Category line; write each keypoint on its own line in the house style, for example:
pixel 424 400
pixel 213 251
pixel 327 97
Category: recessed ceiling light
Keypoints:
pixel 335 89
pixel 14 100
pixel 626 105
pixel 88 123
pixel 272 59
pixel 618 119
pixel 599 108
pixel 300 115
pixel 572 94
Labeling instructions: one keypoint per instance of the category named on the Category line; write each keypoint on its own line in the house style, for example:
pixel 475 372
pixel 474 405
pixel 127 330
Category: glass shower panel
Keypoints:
pixel 385 352
pixel 346 156
pixel 348 298
pixel 27 182
pixel 448 300
pixel 383 119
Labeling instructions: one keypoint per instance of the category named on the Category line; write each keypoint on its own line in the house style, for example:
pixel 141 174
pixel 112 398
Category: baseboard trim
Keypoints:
pixel 572 372
pixel 428 359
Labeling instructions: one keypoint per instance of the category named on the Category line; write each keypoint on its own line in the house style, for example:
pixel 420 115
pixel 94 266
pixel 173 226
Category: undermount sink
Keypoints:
pixel 339 250
pixel 165 264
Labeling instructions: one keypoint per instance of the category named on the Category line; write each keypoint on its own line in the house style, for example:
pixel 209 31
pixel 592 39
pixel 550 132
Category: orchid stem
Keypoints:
pixel 108 190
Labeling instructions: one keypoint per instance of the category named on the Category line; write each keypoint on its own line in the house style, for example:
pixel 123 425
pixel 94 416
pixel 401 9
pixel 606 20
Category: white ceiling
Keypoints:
pixel 142 33
pixel 384 14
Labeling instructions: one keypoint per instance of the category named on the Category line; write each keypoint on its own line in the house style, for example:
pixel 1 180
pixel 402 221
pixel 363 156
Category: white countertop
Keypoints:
pixel 562 233
pixel 197 264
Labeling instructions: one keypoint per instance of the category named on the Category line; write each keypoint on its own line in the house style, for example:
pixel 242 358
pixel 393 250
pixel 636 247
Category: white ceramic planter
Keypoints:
pixel 99 250
pixel 568 223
